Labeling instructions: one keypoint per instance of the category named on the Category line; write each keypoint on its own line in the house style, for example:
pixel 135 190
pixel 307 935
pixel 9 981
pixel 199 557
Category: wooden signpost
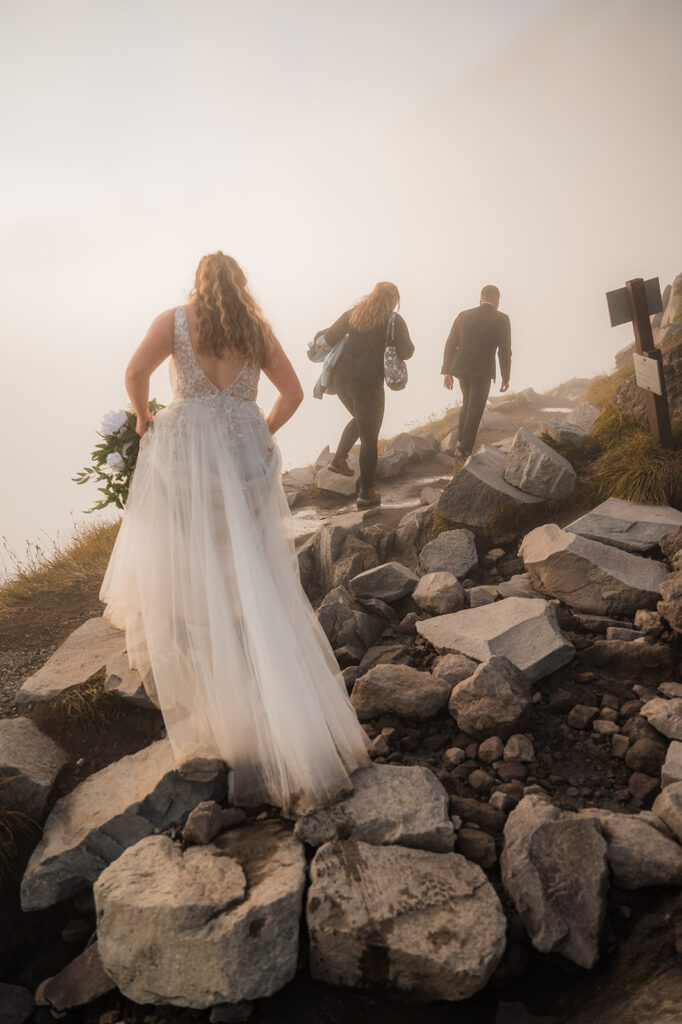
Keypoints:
pixel 637 302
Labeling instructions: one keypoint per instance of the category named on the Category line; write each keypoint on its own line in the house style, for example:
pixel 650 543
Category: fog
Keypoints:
pixel 442 145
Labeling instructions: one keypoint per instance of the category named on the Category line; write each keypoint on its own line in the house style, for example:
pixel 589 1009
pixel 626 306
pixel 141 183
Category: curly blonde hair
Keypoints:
pixel 228 317
pixel 376 307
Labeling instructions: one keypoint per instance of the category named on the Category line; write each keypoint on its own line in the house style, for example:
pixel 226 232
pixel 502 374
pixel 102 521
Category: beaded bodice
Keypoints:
pixel 188 380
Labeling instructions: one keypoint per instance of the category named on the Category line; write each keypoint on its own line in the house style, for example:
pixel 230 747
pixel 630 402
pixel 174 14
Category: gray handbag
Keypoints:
pixel 395 370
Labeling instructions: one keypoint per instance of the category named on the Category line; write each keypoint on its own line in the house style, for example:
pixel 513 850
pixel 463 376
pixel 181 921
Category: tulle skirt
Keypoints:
pixel 204 579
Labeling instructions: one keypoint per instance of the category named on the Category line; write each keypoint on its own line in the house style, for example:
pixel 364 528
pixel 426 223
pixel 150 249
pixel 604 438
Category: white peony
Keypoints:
pixel 113 422
pixel 116 461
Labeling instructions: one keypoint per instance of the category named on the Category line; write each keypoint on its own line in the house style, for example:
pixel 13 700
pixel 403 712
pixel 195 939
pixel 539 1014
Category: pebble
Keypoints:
pixel 671 689
pixel 481 782
pixel 490 750
pixel 585 677
pixel 453 757
pixel 519 748
pixel 642 786
pixel 619 745
pixel 604 728
pixel 581 716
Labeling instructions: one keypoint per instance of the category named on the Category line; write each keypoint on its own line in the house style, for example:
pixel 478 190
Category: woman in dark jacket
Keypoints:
pixel 359 379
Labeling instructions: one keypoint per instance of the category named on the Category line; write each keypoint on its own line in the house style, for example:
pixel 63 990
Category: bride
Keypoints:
pixel 204 576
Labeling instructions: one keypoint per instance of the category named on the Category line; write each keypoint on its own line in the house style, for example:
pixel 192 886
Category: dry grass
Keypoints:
pixel 439 426
pixel 601 390
pixel 87 702
pixel 56 567
pixel 633 465
pixel 16 829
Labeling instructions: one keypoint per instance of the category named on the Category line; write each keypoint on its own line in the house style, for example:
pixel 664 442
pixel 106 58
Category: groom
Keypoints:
pixel 476 336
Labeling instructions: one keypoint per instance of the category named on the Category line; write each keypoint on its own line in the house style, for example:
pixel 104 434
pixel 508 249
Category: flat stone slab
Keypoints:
pixel 83 653
pixel 665 715
pixel 391 804
pixel 399 690
pixel 79 983
pixel 387 582
pixel 639 854
pixel 584 416
pixel 424 925
pixel 212 924
pixel 335 483
pixel 554 867
pixel 452 551
pixel 479 489
pixel 537 469
pixel 111 810
pixel 589 576
pixel 29 765
pixel 627 525
pixel 127 683
pixel 522 629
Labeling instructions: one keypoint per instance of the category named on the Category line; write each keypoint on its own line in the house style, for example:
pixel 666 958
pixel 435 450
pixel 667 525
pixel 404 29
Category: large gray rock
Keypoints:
pixel 668 807
pixel 584 416
pixel 342 554
pixel 388 582
pixel 399 690
pixel 125 681
pixel 453 551
pixel 535 468
pixel 494 701
pixel 414 446
pixel 79 983
pixel 561 432
pixel 336 484
pixel 413 531
pixel 405 805
pixel 453 668
pixel 554 867
pixel 671 771
pixel 665 715
pixel 424 925
pixel 212 924
pixel 520 628
pixel 479 491
pixel 439 593
pixel 116 807
pixel 517 586
pixel 638 853
pixel 589 576
pixel 29 765
pixel 84 652
pixel 627 525
pixel 346 624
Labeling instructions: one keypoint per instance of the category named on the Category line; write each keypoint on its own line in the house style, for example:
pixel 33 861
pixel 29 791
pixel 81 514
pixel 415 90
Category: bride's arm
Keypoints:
pixel 279 370
pixel 156 346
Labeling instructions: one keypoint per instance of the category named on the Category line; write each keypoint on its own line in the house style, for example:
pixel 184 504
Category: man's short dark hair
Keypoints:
pixel 490 293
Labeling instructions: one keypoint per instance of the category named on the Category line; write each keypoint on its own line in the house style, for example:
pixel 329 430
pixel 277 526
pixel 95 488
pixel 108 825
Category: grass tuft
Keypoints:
pixel 87 702
pixel 57 566
pixel 16 830
pixel 602 388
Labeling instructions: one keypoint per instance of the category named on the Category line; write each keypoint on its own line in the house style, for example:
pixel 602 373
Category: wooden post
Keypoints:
pixel 657 408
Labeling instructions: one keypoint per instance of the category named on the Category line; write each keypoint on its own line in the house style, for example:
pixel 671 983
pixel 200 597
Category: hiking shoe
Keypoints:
pixel 369 499
pixel 340 466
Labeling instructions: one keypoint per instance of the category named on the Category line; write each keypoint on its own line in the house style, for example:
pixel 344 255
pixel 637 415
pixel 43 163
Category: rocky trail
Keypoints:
pixel 515 845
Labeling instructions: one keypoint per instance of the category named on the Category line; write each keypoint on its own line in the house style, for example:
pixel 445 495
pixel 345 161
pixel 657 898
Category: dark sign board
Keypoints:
pixel 619 304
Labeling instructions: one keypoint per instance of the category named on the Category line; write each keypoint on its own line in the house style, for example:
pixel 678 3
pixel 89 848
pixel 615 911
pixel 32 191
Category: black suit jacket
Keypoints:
pixel 476 335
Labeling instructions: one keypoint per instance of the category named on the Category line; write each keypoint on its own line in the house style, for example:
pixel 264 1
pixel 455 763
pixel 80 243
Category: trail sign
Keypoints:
pixel 637 302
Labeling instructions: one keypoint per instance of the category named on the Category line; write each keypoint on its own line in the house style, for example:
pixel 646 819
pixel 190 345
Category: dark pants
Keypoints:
pixel 475 390
pixel 367 409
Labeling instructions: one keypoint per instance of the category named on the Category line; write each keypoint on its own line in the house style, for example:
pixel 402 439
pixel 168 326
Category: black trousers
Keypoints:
pixel 475 390
pixel 366 406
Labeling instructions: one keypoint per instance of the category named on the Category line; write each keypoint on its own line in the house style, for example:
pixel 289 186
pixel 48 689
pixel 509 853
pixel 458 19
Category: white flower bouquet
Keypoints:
pixel 114 458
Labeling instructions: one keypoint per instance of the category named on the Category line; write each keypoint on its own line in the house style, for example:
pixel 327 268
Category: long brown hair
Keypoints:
pixel 376 307
pixel 228 316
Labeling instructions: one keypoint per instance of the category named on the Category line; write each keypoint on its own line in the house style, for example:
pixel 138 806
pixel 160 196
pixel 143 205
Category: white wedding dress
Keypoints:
pixel 204 579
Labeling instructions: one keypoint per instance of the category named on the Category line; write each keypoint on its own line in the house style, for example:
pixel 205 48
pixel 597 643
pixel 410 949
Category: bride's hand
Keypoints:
pixel 142 424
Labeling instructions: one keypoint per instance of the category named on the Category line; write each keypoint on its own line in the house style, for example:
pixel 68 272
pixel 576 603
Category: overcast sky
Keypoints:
pixel 441 144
